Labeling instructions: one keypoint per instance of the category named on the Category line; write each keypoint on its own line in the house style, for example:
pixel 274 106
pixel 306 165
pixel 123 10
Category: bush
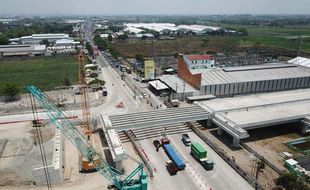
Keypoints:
pixel 97 81
pixel 11 92
pixel 291 182
pixel 93 75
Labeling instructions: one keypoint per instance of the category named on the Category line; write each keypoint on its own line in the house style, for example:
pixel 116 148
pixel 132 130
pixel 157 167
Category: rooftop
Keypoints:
pixel 198 57
pixel 254 111
pixel 251 73
pixel 300 61
pixel 177 84
pixel 158 85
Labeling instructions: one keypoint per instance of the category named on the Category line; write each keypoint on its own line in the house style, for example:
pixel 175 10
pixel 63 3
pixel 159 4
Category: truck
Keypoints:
pixel 171 167
pixel 174 156
pixel 200 154
pixel 175 103
pixel 165 140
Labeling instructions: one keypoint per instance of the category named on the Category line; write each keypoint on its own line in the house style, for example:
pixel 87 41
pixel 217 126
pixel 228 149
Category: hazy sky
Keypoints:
pixel 112 7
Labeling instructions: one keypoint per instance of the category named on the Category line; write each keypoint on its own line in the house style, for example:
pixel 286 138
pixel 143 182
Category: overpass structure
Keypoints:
pixel 234 115
pixel 157 118
pixel 239 114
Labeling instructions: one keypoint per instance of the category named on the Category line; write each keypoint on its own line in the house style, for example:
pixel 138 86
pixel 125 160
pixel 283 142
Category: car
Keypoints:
pixel 186 140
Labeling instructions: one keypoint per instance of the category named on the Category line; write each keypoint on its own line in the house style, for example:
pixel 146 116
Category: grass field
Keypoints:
pixel 44 72
pixel 276 36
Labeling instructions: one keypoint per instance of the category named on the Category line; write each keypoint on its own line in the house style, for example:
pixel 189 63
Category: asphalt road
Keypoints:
pixel 195 177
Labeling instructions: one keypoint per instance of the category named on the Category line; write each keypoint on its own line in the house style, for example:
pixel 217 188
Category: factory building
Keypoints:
pixel 199 72
pixel 22 50
pixel 37 38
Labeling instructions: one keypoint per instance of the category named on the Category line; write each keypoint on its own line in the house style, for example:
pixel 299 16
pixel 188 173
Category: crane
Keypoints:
pixel 68 129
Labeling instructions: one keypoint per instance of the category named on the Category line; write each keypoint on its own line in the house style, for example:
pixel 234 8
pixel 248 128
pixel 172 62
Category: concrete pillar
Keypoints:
pixel 304 128
pixel 220 131
pixel 119 165
pixel 209 123
pixel 236 142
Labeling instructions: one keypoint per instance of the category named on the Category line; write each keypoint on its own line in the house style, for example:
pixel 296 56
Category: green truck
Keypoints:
pixel 200 154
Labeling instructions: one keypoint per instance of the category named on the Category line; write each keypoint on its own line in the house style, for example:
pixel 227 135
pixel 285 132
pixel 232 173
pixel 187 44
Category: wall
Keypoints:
pixel 256 86
pixel 185 74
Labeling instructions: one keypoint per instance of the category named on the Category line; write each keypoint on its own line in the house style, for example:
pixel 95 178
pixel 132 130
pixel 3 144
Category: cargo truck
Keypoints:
pixel 171 167
pixel 200 154
pixel 174 156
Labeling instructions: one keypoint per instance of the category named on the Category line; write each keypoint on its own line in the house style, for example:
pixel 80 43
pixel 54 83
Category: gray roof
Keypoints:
pixel 253 73
pixel 177 84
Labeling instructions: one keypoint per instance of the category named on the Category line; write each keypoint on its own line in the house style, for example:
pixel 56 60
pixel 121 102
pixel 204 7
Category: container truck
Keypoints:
pixel 200 154
pixel 174 156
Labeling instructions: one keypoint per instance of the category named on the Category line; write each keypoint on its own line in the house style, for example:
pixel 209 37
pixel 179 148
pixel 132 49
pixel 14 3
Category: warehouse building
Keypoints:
pixel 22 50
pixel 199 72
pixel 37 38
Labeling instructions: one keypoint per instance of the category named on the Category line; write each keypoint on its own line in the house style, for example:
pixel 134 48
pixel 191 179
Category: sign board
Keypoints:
pixel 149 70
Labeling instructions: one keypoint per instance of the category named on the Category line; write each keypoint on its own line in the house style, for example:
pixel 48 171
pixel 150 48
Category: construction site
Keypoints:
pixel 221 128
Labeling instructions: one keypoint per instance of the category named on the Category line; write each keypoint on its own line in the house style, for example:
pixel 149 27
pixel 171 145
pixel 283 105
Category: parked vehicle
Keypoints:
pixel 171 167
pixel 175 103
pixel 186 140
pixel 165 140
pixel 104 92
pixel 200 154
pixel 157 144
pixel 174 156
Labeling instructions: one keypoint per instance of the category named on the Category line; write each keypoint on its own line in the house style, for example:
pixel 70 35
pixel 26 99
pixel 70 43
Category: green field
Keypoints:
pixel 276 36
pixel 44 72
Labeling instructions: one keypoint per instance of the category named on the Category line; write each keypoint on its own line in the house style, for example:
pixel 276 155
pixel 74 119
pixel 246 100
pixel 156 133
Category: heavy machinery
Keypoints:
pixel 60 119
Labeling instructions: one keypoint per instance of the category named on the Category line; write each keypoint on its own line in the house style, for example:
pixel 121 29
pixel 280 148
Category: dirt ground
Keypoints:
pixel 269 142
pixel 15 163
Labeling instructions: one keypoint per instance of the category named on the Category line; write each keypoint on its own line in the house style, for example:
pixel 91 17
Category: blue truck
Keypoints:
pixel 174 156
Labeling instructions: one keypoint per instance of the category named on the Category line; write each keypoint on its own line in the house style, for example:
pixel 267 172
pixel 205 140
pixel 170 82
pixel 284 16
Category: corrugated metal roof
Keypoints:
pixel 222 76
pixel 177 84
pixel 300 61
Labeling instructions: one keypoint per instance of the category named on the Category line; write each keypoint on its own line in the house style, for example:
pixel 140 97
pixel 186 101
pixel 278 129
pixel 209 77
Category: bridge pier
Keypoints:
pixel 304 127
pixel 236 142
pixel 220 131
pixel 209 123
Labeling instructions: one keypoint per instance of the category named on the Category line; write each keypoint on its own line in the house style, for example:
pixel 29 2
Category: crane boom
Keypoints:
pixel 76 138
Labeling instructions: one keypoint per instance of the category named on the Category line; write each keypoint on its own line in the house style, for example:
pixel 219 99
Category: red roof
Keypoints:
pixel 198 57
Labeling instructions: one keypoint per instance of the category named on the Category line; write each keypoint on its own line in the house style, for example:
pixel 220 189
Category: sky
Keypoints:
pixel 161 7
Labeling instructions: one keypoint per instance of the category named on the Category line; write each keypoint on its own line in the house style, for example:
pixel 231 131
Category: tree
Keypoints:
pixel 89 48
pixel 110 38
pixel 11 91
pixel 243 32
pixel 139 58
pixel 45 42
pixel 291 182
pixel 101 43
pixel 67 82
pixel 4 40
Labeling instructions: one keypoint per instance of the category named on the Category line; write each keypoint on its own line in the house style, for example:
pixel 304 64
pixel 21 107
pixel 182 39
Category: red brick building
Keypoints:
pixel 189 63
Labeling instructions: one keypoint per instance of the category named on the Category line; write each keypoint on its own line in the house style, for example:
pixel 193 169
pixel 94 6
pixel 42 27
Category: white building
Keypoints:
pixel 66 42
pixel 300 61
pixel 195 62
pixel 22 50
pixel 37 38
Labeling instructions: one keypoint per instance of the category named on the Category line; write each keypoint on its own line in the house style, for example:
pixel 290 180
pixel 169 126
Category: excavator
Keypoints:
pixel 59 117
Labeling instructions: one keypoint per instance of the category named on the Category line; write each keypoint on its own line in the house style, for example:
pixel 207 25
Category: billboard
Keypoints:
pixel 149 70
